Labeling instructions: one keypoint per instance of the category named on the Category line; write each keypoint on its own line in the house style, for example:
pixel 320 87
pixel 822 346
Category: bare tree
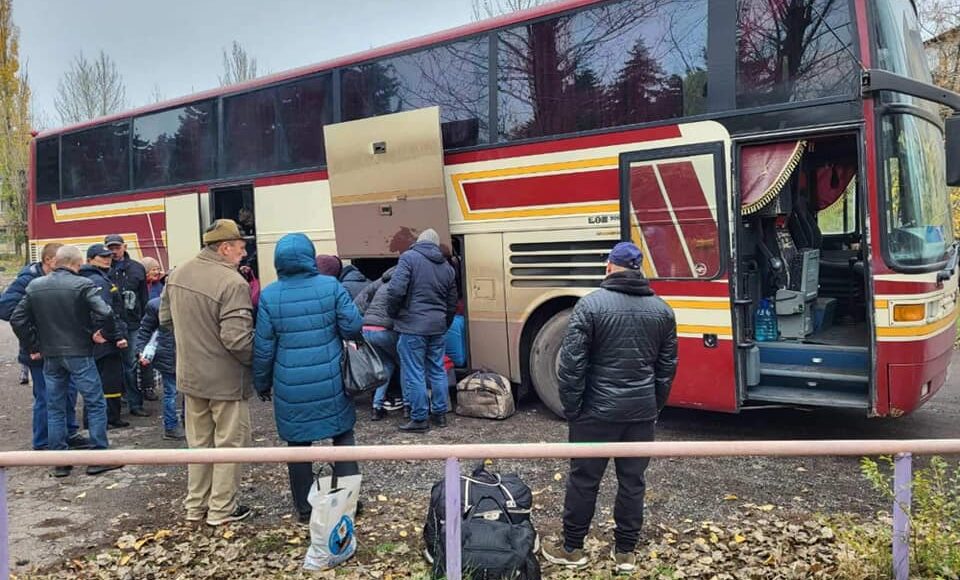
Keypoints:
pixel 238 66
pixel 483 9
pixel 90 89
pixel 156 95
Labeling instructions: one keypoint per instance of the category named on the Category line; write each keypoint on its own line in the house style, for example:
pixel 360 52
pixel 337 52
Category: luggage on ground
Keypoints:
pixel 334 506
pixel 485 395
pixel 498 539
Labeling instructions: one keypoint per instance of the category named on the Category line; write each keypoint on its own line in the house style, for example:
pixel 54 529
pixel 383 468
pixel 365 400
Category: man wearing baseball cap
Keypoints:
pixel 207 305
pixel 131 279
pixel 617 364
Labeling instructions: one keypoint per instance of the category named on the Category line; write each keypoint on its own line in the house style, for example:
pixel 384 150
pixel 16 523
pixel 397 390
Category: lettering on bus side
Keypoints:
pixel 603 219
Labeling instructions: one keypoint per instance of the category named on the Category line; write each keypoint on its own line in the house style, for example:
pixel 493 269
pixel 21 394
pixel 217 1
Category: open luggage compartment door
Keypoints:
pixel 386 182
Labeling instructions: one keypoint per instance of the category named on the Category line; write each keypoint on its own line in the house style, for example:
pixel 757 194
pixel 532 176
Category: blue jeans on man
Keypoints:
pixel 170 417
pixel 40 409
pixel 421 364
pixel 59 372
pixel 385 341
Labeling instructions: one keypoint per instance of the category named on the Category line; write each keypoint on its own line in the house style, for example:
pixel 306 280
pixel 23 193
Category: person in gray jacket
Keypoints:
pixel 378 331
pixel 58 320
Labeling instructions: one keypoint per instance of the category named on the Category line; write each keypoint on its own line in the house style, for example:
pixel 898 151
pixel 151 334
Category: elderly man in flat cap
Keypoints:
pixel 207 304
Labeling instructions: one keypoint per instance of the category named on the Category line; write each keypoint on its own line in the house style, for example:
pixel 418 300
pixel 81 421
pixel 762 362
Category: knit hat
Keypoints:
pixel 429 235
pixel 626 255
pixel 222 230
pixel 329 265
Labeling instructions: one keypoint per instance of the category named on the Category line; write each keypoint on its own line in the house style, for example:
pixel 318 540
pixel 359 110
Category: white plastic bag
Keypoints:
pixel 332 538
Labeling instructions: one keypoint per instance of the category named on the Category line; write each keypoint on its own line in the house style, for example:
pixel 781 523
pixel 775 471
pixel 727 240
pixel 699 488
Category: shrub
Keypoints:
pixel 934 524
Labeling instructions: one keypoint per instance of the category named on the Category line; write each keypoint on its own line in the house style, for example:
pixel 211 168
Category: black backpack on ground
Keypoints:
pixel 498 539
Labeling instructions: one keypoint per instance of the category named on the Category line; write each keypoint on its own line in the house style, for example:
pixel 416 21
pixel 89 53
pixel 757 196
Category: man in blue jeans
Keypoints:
pixel 422 301
pixel 11 297
pixel 56 321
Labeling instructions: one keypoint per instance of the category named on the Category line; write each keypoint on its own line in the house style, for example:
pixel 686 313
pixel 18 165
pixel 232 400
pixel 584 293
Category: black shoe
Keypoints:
pixel 78 441
pixel 62 470
pixel 378 414
pixel 304 518
pixel 359 508
pixel 118 424
pixel 416 426
pixel 241 513
pixel 98 469
pixel 150 394
pixel 438 419
pixel 139 412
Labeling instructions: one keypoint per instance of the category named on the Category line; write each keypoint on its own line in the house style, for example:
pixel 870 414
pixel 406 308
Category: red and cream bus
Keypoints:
pixel 787 153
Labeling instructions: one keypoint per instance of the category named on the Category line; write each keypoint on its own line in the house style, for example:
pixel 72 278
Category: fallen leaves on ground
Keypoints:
pixel 757 541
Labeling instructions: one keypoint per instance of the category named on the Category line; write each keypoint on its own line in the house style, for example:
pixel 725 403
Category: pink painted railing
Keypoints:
pixel 452 454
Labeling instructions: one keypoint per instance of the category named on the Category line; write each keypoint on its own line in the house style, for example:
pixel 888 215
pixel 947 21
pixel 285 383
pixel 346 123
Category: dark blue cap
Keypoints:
pixel 98 250
pixel 626 255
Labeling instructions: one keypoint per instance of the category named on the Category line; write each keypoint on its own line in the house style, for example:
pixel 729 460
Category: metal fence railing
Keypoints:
pixel 902 450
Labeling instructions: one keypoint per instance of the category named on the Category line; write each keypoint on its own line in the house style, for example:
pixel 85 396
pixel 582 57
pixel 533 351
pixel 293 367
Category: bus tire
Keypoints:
pixel 544 353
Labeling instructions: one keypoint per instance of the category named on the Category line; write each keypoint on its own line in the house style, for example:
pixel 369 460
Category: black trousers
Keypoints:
pixel 301 474
pixel 110 368
pixel 586 474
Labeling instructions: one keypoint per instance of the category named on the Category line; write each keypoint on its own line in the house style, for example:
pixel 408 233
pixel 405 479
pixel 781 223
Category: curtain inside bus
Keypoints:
pixel 764 170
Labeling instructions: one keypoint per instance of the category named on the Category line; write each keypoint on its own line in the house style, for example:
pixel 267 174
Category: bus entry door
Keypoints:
pixel 386 182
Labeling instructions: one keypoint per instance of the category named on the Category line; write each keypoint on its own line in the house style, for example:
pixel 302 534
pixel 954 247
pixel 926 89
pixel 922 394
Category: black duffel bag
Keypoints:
pixel 493 547
pixel 362 368
pixel 512 502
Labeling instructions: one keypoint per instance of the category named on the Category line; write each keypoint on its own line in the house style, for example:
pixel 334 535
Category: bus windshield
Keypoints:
pixel 918 223
pixel 899 43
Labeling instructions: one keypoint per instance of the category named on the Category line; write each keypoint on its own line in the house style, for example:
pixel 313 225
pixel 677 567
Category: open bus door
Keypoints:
pixel 386 182
pixel 183 228
pixel 674 204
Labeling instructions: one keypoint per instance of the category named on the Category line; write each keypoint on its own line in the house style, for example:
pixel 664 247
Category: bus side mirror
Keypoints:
pixel 953 150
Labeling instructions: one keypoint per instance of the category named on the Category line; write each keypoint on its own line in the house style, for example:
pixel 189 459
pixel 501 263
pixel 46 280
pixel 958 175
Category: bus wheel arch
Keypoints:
pixel 539 347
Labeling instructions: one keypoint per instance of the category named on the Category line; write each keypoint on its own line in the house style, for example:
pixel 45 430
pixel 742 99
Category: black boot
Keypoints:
pixel 416 426
pixel 378 414
pixel 438 419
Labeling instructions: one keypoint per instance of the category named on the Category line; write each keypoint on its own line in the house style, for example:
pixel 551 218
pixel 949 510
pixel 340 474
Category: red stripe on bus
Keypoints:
pixel 560 144
pixel 694 217
pixel 657 225
pixel 291 178
pixel 583 187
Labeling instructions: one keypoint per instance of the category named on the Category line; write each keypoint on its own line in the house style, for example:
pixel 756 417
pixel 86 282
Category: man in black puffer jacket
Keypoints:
pixel 617 364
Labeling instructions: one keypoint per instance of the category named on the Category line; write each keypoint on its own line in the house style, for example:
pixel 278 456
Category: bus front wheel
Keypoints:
pixel 544 354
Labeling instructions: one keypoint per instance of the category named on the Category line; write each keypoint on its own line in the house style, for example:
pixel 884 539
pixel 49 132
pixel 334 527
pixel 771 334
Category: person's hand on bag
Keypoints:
pixel 122 344
pixel 36 356
pixel 98 337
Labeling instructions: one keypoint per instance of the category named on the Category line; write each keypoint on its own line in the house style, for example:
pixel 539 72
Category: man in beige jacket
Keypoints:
pixel 207 304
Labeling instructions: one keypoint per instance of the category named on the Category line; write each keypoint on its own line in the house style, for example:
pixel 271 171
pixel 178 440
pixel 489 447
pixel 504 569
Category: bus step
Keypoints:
pixel 811 376
pixel 808 397
pixel 818 355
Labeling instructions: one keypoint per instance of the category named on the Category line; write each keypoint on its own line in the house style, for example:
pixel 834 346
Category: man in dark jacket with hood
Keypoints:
pixel 12 296
pixel 617 364
pixel 108 355
pixel 422 301
pixel 131 278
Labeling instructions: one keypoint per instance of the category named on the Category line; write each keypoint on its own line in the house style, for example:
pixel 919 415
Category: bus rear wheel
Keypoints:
pixel 544 354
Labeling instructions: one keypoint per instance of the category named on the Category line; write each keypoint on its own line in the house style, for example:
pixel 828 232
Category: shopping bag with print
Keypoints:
pixel 332 537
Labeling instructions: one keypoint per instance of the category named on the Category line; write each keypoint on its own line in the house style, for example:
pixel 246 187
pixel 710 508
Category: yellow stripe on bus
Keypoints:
pixel 699 329
pixel 932 328
pixel 61 216
pixel 700 304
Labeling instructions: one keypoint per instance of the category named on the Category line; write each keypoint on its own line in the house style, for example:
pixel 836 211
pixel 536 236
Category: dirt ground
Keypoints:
pixel 51 519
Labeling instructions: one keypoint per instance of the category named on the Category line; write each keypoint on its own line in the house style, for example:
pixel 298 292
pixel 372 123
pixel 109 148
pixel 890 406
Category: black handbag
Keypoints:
pixel 362 368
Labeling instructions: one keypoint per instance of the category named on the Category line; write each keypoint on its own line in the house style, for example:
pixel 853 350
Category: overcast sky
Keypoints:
pixel 177 45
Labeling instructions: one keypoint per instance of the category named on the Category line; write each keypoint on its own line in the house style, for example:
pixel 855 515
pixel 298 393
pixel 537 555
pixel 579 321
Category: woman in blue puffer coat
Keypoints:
pixel 302 321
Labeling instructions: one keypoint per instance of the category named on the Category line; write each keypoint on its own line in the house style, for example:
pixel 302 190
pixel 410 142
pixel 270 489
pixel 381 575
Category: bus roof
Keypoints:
pixel 371 54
